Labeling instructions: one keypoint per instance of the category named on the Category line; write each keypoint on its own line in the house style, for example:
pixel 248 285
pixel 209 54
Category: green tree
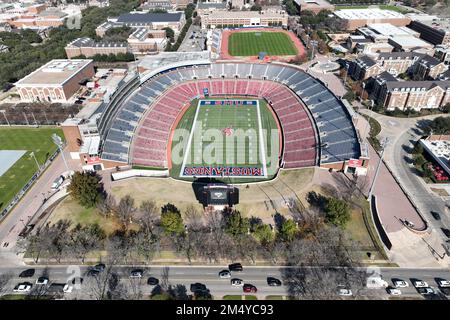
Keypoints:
pixel 86 187
pixel 440 125
pixel 288 230
pixel 264 234
pixel 419 160
pixel 446 108
pixel 350 96
pixel 236 224
pixel 172 222
pixel 169 207
pixel 337 212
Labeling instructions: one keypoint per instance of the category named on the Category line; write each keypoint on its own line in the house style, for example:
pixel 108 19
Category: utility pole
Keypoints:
pixel 378 169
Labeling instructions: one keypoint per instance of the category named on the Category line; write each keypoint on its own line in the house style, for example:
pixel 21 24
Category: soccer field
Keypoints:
pixel 37 140
pixel 252 43
pixel 227 138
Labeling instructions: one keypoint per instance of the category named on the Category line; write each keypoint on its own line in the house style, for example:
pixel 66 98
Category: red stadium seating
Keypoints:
pixel 152 135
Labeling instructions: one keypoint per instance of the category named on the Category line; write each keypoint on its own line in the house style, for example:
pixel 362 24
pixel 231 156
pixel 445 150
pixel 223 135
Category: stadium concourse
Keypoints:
pixel 317 128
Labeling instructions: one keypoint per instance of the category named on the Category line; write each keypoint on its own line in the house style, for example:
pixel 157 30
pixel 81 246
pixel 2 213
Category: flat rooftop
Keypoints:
pixel 56 71
pixel 440 150
pixel 388 29
pixel 151 62
pixel 410 42
pixel 368 14
pixel 438 24
pixel 243 14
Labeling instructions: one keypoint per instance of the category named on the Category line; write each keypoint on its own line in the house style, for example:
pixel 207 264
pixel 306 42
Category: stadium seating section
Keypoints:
pixel 141 129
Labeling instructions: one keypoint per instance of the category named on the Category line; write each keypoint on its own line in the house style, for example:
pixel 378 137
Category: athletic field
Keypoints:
pixel 37 140
pixel 227 138
pixel 252 43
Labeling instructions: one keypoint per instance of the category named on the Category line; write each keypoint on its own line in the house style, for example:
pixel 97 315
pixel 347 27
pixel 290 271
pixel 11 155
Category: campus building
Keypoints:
pixel 355 18
pixel 436 31
pixel 152 21
pixel 89 48
pixel 314 6
pixel 56 81
pixel 143 40
pixel 218 19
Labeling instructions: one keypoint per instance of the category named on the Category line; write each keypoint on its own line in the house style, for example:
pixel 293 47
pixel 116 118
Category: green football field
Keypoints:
pixel 37 140
pixel 240 128
pixel 252 43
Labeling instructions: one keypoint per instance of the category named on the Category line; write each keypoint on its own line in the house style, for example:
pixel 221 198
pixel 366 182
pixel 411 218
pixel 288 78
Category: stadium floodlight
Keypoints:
pixel 4 114
pixel 35 160
pixel 58 141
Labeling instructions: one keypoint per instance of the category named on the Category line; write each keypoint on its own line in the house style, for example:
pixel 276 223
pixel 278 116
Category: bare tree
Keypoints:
pixel 125 210
pixel 107 206
pixel 4 280
pixel 149 211
pixel 86 239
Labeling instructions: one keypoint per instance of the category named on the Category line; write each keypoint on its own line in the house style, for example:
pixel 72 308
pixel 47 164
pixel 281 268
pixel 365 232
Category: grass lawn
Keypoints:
pixel 37 140
pixel 13 297
pixel 232 297
pixel 251 298
pixel 252 43
pixel 70 209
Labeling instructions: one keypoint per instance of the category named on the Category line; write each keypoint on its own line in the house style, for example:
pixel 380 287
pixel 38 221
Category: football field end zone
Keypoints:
pixel 224 171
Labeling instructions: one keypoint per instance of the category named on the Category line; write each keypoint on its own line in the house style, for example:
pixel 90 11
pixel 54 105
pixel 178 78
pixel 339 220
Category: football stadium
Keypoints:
pixel 180 117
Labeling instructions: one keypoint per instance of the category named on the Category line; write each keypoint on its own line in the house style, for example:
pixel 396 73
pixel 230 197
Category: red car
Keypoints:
pixel 249 288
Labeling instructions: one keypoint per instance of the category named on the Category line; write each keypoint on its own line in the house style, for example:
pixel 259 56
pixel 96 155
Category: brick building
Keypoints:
pixel 314 6
pixel 89 48
pixel 244 18
pixel 56 81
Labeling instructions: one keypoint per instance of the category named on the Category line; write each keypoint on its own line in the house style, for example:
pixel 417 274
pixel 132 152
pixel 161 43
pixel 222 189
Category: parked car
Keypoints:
pixel 27 273
pixel 235 267
pixel 67 288
pixel 420 284
pixel 400 283
pixel 425 291
pixel 249 288
pixel 345 292
pixel 443 283
pixel 436 215
pixel 23 287
pixel 42 280
pixel 152 281
pixel 235 282
pixel 273 282
pixel 99 267
pixel 393 291
pixel 197 287
pixel 136 273
pixel 224 274
pixel 57 183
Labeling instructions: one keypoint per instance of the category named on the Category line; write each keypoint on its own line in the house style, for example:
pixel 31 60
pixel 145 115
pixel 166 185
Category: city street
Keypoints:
pixel 208 275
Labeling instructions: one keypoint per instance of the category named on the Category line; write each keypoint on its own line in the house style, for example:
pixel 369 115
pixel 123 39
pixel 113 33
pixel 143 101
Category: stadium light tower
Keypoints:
pixel 4 114
pixel 58 141
pixel 35 160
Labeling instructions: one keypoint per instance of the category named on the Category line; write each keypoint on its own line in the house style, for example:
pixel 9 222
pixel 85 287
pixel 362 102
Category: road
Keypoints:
pixel 208 275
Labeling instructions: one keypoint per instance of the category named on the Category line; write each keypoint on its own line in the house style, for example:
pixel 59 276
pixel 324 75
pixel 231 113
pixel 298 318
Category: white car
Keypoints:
pixel 237 282
pixel 401 284
pixel 23 287
pixel 443 283
pixel 426 290
pixel 420 284
pixel 394 291
pixel 345 292
pixel 68 288
pixel 224 274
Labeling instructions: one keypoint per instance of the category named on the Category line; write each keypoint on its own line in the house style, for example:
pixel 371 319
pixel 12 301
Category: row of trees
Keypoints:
pixel 120 57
